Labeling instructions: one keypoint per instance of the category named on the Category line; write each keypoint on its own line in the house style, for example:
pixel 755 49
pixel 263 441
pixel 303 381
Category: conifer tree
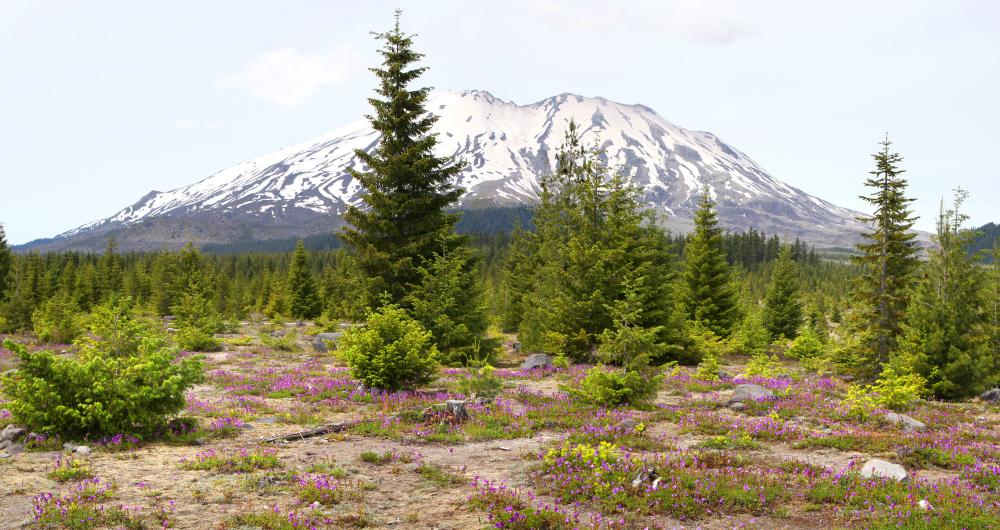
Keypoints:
pixel 341 285
pixel 782 305
pixel 448 302
pixel 946 335
pixel 591 230
pixel 888 257
pixel 516 278
pixel 406 188
pixel 304 301
pixel 993 303
pixel 708 297
pixel 5 260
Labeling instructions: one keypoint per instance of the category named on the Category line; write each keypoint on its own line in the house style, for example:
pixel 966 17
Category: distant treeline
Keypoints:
pixel 986 237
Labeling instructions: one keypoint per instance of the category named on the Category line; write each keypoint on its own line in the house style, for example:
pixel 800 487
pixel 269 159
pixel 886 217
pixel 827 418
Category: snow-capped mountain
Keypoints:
pixel 303 189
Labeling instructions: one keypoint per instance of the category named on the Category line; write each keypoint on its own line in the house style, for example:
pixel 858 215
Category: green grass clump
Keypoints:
pixel 732 441
pixel 242 461
pixel 70 470
pixel 439 477
pixel 378 459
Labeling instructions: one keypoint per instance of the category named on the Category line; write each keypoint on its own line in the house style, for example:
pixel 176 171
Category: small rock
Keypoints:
pixel 924 505
pixel 627 425
pixel 69 447
pixel 991 396
pixel 537 360
pixel 656 482
pixel 882 468
pixel 198 441
pixel 268 420
pixel 12 433
pixel 247 427
pixel 738 406
pixel 909 424
pixel 724 376
pixel 82 450
pixel 750 392
pixel 316 505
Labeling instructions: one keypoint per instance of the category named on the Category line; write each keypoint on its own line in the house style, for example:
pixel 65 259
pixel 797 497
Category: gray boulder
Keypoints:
pixel 320 340
pixel 10 448
pixel 750 392
pixel 883 469
pixel 627 425
pixel 12 433
pixel 991 396
pixel 82 450
pixel 907 423
pixel 537 360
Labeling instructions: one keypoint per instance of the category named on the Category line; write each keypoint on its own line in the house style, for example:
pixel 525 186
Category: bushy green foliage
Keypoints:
pixel 946 335
pixel 118 328
pixel 752 336
pixel 806 346
pixel 764 364
pixel 391 351
pixel 708 368
pixel 782 306
pixel 99 393
pixel 58 320
pixel 448 302
pixel 703 342
pixel 859 403
pixel 898 391
pixel 592 232
pixel 197 321
pixel 610 387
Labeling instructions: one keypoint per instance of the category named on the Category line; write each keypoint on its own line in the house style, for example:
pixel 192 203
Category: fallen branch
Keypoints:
pixel 316 431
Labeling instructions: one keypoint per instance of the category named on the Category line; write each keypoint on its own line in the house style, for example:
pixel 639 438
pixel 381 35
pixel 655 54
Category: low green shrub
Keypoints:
pixel 392 351
pixel 607 387
pixel 98 394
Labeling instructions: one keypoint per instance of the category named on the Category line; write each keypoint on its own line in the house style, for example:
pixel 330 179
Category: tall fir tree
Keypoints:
pixel 5 260
pixel 782 304
pixel 946 332
pixel 304 300
pixel 888 258
pixel 709 297
pixel 406 188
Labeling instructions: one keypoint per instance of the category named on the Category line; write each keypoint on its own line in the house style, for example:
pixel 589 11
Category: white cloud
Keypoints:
pixel 713 22
pixel 191 123
pixel 183 123
pixel 287 77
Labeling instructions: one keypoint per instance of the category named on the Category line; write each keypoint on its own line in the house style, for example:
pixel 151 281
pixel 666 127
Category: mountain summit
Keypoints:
pixel 303 189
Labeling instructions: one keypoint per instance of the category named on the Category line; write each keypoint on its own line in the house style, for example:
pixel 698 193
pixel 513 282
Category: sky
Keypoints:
pixel 102 102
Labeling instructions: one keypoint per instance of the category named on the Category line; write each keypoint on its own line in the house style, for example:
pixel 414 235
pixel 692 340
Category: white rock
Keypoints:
pixel 907 423
pixel 924 505
pixel 82 450
pixel 883 469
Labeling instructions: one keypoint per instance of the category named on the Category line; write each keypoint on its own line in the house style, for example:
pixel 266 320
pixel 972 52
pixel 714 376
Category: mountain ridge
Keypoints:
pixel 303 188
